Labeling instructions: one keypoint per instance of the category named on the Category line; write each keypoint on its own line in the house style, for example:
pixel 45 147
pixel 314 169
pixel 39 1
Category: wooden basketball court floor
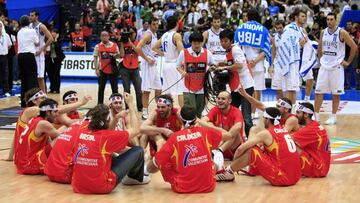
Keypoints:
pixel 341 185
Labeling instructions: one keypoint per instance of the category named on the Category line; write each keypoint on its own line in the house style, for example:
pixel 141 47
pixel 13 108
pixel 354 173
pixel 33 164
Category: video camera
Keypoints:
pixel 215 82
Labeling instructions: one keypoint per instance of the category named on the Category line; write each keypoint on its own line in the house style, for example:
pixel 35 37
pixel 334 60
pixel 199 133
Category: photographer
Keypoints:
pixel 129 67
pixel 106 51
pixel 85 22
pixel 240 75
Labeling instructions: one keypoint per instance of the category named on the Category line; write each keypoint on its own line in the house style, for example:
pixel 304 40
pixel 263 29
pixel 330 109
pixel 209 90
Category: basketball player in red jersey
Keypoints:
pixel 185 159
pixel 288 121
pixel 278 162
pixel 162 123
pixel 33 99
pixel 312 143
pixel 120 119
pixel 96 171
pixel 33 147
pixel 59 166
pixel 227 117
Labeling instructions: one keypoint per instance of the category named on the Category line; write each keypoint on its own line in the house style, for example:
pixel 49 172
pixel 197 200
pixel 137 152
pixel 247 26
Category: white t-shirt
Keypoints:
pixel 27 38
pixel 5 43
pixel 246 78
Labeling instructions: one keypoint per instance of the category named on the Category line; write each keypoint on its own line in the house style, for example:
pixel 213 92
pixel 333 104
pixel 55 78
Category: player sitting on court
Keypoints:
pixel 278 162
pixel 185 159
pixel 121 119
pixel 227 117
pixel 96 171
pixel 33 99
pixel 162 123
pixel 34 147
pixel 59 166
pixel 313 144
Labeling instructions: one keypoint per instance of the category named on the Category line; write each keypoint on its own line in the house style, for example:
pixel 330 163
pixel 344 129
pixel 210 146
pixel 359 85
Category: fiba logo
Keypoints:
pixel 190 68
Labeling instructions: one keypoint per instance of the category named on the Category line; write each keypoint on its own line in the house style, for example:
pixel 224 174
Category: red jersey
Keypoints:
pixel 195 68
pixel 31 152
pixel 104 54
pixel 185 160
pixel 130 60
pixel 235 79
pixel 92 160
pixel 78 39
pixel 172 122
pixel 59 166
pixel 283 120
pixel 20 125
pixel 316 154
pixel 74 115
pixel 279 163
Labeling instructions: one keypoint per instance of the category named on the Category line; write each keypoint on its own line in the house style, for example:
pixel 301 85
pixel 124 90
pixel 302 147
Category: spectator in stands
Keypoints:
pixel 13 28
pixel 192 17
pixel 137 8
pixel 103 8
pixel 141 32
pixel 146 12
pixel 27 40
pixel 129 67
pixel 267 20
pixel 204 22
pixel 106 52
pixel 53 58
pixel 157 10
pixel 77 42
pixel 85 22
pixel 5 45
pixel 351 68
pixel 274 9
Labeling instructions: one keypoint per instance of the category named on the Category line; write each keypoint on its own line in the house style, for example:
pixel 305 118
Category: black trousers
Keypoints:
pixel 4 73
pixel 28 74
pixel 129 76
pixel 102 83
pixel 52 68
pixel 130 163
pixel 10 58
pixel 239 100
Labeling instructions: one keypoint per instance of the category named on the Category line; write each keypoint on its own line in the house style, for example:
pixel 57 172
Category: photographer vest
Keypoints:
pixel 105 59
pixel 78 39
pixel 130 60
pixel 195 67
pixel 234 76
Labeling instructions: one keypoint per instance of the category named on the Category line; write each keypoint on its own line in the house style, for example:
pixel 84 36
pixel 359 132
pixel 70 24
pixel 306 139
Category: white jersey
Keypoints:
pixel 40 35
pixel 277 38
pixel 252 53
pixel 214 46
pixel 333 49
pixel 147 47
pixel 170 50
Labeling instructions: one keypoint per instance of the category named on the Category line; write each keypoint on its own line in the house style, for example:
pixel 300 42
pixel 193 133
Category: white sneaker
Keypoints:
pixel 218 159
pixel 331 121
pixel 130 181
pixel 225 175
pixel 145 114
pixel 7 94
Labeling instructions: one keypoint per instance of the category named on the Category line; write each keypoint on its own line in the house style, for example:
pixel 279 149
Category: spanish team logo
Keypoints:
pixel 190 150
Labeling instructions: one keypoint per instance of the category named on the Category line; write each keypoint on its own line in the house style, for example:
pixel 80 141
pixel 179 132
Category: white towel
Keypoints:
pixel 309 57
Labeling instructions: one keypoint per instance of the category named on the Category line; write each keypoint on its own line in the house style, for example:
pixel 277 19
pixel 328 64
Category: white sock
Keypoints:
pixel 307 98
pixel 333 116
pixel 145 110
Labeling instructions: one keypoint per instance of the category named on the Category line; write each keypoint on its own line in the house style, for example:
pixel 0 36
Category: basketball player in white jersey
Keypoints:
pixel 42 33
pixel 149 73
pixel 255 58
pixel 277 81
pixel 292 81
pixel 171 43
pixel 331 52
pixel 212 40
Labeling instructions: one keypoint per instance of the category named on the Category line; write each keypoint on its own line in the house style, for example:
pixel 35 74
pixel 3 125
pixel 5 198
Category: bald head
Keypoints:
pixel 225 94
pixel 224 100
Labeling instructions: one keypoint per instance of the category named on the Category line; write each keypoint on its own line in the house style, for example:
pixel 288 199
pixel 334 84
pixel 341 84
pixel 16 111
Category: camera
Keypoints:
pixel 125 37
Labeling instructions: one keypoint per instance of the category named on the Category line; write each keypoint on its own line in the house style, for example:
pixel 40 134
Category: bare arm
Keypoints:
pixel 350 42
pixel 292 124
pixel 148 127
pixel 251 142
pixel 122 50
pixel 258 104
pixel 235 129
pixel 65 120
pixel 142 43
pixel 71 107
pixel 134 130
pixel 178 42
pixel 320 45
pixel 48 35
pixel 205 36
pixel 157 46
pixel 44 127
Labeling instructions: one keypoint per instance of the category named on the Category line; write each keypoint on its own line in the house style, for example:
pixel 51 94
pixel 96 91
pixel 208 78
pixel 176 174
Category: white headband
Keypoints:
pixel 115 99
pixel 71 96
pixel 164 101
pixel 284 104
pixel 37 95
pixel 304 109
pixel 49 108
pixel 187 122
pixel 276 119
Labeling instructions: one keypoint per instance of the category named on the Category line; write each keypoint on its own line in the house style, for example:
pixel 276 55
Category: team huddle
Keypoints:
pixel 105 147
